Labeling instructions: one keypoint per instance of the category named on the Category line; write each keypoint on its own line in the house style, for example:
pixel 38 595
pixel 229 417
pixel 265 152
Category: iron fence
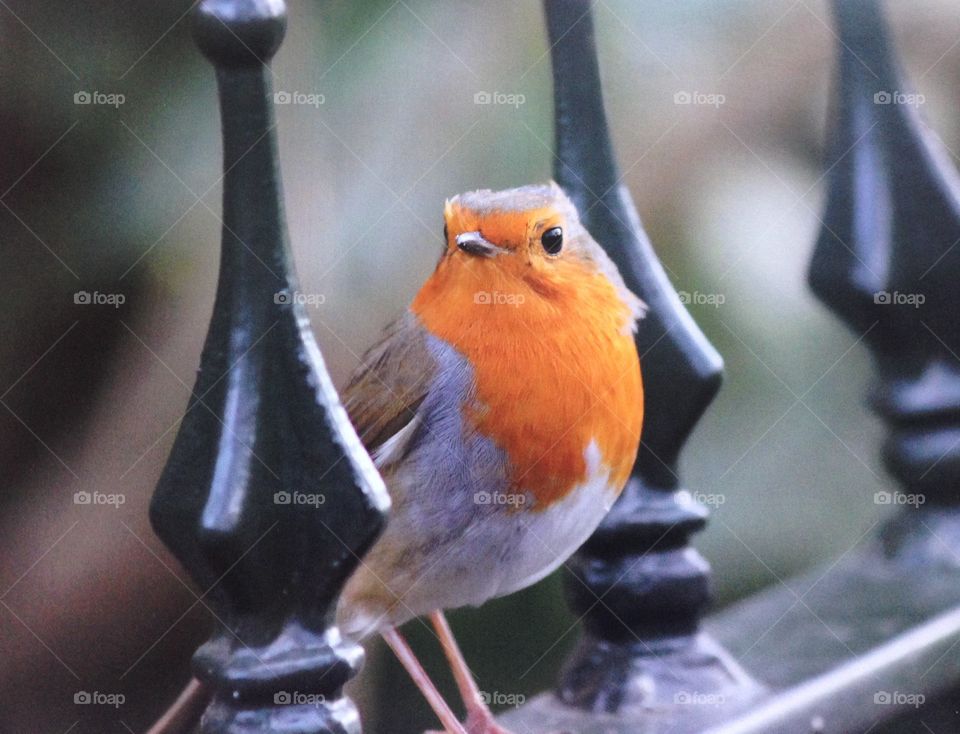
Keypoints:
pixel 265 420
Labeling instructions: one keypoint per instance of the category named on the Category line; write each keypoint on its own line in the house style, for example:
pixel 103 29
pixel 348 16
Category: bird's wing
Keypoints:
pixel 385 392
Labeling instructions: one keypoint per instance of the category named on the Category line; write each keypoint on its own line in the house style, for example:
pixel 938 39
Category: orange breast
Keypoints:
pixel 554 362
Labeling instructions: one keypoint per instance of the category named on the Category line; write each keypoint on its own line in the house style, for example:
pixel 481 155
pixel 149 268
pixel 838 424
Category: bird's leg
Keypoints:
pixel 392 636
pixel 184 712
pixel 479 718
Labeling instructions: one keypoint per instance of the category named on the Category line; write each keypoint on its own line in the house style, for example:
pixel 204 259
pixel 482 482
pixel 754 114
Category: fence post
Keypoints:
pixel 887 261
pixel 638 584
pixel 268 498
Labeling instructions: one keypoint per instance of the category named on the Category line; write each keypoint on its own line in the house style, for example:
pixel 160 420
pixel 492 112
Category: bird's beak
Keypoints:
pixel 473 244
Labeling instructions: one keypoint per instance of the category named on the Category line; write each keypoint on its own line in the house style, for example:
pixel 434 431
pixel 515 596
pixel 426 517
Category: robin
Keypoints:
pixel 503 410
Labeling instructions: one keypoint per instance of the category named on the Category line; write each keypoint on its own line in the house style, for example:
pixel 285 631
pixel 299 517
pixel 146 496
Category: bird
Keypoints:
pixel 503 410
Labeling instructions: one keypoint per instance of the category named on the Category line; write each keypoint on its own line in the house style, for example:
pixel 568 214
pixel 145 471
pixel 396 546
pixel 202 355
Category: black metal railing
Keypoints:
pixel 264 422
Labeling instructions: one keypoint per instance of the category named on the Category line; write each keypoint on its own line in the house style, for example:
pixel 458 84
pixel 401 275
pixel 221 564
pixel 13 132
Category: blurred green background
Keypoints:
pixel 124 198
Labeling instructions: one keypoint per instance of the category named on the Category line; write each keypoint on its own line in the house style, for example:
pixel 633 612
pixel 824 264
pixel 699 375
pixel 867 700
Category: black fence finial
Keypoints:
pixel 888 263
pixel 641 644
pixel 268 498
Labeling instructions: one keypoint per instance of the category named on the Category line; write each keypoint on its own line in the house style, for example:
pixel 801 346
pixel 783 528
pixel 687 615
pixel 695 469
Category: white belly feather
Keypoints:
pixel 550 537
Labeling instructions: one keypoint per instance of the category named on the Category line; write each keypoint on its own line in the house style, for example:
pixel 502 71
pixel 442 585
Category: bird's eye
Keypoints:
pixel 552 240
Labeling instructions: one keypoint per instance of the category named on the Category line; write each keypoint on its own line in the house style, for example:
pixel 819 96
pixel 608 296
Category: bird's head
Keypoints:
pixel 530 225
pixel 530 235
